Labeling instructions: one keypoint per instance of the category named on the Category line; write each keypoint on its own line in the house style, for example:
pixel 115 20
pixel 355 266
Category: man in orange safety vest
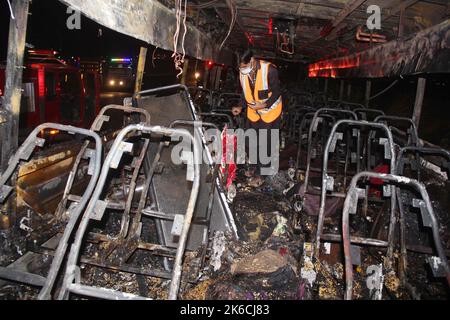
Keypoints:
pixel 263 103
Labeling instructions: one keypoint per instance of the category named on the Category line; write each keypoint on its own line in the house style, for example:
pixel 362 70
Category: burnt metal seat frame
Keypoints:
pixel 71 282
pixel 219 115
pixel 96 127
pixel 207 91
pixel 351 204
pixel 307 95
pixel 333 103
pixel 185 91
pixel 414 139
pixel 215 180
pixel 350 105
pixel 125 223
pixel 365 112
pixel 294 116
pixel 311 132
pixel 218 105
pixel 303 124
pixel 400 167
pixel 128 239
pixel 326 187
pixel 24 153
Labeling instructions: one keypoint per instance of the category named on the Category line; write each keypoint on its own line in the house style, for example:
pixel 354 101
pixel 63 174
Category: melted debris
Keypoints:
pixel 273 259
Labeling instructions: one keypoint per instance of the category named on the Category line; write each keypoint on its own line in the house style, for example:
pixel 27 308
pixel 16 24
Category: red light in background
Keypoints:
pixel 271 26
pixel 329 68
pixel 210 64
pixel 41 82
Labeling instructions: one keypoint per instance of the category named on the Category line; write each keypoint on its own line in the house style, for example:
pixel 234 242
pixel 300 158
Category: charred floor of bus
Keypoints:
pixel 154 199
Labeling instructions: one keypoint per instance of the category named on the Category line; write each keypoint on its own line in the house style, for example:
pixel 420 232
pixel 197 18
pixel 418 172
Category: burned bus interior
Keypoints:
pixel 125 151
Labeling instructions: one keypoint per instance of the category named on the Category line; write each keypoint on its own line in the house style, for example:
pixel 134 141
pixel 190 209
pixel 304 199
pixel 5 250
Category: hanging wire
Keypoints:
pixel 384 91
pixel 154 57
pixel 11 10
pixel 185 30
pixel 234 11
pixel 179 58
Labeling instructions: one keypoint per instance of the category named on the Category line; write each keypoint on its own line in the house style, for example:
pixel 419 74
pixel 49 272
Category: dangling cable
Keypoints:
pixel 234 11
pixel 11 10
pixel 185 31
pixel 154 57
pixel 179 58
pixel 384 91
pixel 175 54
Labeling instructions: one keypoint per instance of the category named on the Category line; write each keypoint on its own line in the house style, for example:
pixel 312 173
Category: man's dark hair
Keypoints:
pixel 246 56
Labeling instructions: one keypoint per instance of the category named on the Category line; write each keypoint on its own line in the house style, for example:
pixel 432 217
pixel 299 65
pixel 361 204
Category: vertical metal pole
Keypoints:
pixel 212 77
pixel 349 91
pixel 140 69
pixel 218 77
pixel 368 93
pixel 420 94
pixel 13 83
pixel 206 79
pixel 326 87
pixel 185 71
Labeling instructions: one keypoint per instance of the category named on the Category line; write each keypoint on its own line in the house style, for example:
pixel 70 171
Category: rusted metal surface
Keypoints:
pixel 149 21
pixel 427 52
